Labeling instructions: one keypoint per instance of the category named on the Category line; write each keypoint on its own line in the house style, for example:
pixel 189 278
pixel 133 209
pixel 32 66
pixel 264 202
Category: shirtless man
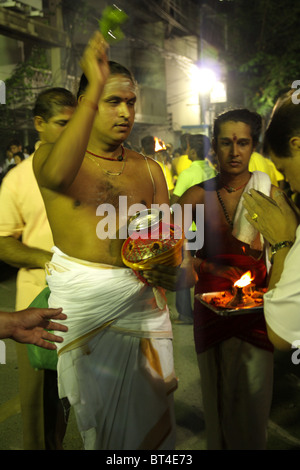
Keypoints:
pixel 234 354
pixel 79 180
pixel 112 315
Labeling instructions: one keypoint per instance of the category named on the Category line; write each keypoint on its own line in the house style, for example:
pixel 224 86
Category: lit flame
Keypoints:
pixel 245 280
pixel 159 144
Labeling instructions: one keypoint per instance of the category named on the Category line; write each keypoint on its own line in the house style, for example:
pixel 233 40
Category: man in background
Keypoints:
pixel 198 171
pixel 234 354
pixel 181 162
pixel 200 168
pixel 161 156
pixel 260 163
pixel 25 242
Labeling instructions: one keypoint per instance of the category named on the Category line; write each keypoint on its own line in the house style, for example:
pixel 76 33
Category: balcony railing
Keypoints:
pixel 26 90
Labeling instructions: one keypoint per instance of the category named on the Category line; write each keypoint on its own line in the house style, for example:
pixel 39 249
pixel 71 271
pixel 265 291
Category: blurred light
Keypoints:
pixel 218 94
pixel 202 79
pixel 159 144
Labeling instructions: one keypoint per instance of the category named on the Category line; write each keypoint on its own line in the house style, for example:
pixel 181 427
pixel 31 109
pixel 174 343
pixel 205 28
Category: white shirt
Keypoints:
pixel 282 304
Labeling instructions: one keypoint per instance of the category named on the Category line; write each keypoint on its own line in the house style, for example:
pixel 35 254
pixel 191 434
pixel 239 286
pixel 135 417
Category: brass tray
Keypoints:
pixel 205 300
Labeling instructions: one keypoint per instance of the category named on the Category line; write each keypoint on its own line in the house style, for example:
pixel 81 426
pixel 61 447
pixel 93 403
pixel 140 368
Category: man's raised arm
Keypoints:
pixel 56 165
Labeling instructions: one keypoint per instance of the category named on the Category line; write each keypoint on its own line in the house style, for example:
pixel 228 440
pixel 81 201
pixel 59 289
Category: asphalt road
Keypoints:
pixel 284 423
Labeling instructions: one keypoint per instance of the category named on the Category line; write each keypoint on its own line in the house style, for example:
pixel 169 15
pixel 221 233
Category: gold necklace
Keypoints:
pixel 110 173
pixel 119 158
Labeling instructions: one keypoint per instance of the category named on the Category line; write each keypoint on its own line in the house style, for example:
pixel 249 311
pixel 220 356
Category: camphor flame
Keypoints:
pixel 245 280
pixel 159 144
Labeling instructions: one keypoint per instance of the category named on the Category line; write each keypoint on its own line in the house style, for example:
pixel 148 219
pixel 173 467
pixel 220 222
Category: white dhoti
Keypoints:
pixel 115 365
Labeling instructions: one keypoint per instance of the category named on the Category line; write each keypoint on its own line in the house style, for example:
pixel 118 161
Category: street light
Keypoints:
pixel 208 87
pixel 218 94
pixel 203 79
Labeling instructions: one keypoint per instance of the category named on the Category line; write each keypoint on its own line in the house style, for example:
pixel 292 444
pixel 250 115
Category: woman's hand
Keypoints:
pixel 274 217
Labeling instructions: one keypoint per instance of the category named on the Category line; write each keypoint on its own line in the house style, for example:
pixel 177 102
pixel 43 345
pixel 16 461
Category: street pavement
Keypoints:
pixel 284 423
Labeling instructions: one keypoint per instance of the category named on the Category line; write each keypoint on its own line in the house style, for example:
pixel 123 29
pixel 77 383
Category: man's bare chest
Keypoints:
pixel 219 215
pixel 220 207
pixel 92 190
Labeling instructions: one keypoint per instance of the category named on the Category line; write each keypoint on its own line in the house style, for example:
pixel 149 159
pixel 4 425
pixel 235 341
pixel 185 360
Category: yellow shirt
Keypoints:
pixel 182 164
pixel 259 163
pixel 23 214
pixel 168 175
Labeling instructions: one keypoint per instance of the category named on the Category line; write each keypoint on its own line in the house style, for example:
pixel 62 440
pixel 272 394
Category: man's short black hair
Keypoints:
pixel 148 144
pixel 240 115
pixel 15 142
pixel 284 124
pixel 51 100
pixel 184 141
pixel 20 154
pixel 201 144
pixel 115 69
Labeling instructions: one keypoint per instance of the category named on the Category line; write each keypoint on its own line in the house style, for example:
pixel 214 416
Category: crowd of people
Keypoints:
pixel 14 155
pixel 115 349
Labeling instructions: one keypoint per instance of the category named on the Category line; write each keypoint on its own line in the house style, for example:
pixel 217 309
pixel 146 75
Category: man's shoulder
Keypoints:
pixel 209 184
pixel 132 152
pixel 206 185
pixel 134 155
pixel 198 166
pixel 260 177
pixel 195 194
pixel 41 154
pixel 149 160
pixel 150 164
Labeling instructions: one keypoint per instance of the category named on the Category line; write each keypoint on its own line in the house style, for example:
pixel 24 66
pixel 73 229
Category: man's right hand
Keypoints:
pixel 94 62
pixel 229 272
pixel 226 271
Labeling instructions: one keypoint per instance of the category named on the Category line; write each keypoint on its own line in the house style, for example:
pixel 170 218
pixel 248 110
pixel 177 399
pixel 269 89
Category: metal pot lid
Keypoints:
pixel 145 219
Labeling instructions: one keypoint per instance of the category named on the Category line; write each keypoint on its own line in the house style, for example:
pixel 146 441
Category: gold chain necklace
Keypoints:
pixel 110 173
